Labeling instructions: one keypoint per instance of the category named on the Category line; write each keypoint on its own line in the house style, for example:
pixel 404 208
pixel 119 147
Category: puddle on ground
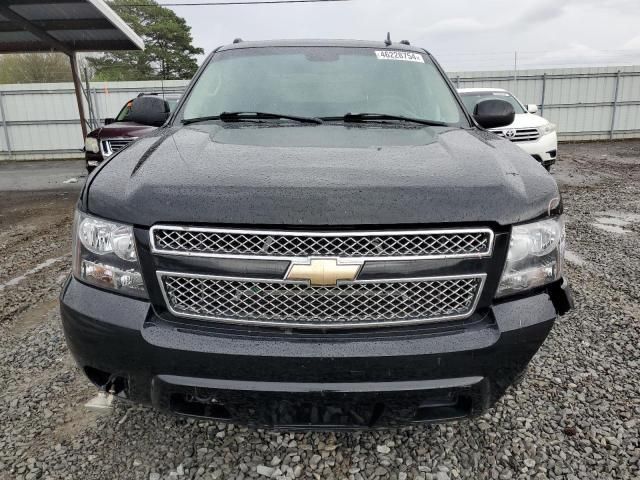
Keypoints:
pixel 611 228
pixel 614 221
pixel 573 257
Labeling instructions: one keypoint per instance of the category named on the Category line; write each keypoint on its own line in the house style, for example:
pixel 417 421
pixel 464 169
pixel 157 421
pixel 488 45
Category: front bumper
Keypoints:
pixel 363 379
pixel 544 149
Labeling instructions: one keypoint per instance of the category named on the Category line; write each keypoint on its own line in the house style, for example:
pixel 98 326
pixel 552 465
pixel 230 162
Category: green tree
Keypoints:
pixel 169 53
pixel 35 68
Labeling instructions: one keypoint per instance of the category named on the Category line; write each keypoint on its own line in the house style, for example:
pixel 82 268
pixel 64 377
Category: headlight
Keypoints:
pixel 535 258
pixel 547 129
pixel 91 145
pixel 105 255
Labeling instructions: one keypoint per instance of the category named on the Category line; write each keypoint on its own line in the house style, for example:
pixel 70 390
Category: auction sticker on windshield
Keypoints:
pixel 398 55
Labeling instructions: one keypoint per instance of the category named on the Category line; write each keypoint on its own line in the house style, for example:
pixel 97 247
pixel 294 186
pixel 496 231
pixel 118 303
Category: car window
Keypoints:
pixel 124 112
pixel 470 100
pixel 323 82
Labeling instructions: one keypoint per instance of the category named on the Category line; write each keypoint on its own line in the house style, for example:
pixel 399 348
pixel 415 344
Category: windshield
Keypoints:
pixel 323 82
pixel 470 100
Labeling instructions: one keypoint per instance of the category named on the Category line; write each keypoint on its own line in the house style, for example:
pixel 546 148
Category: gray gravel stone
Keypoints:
pixel 264 470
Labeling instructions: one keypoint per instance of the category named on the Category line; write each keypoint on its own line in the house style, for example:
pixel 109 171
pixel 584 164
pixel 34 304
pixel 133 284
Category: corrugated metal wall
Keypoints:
pixel 41 120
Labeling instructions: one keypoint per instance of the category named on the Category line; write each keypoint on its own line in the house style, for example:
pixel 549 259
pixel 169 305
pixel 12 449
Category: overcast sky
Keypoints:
pixel 462 34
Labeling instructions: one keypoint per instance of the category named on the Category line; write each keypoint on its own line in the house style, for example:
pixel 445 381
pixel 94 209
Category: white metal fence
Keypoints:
pixel 40 121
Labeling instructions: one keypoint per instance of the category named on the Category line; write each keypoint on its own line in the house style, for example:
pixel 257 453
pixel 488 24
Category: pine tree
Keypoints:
pixel 169 53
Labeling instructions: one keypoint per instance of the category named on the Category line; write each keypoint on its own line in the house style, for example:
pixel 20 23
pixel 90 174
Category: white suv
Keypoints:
pixel 532 133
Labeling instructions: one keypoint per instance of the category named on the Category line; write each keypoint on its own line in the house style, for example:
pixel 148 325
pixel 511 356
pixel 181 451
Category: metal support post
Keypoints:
pixel 544 90
pixel 87 94
pixel 96 107
pixel 78 88
pixel 615 106
pixel 5 127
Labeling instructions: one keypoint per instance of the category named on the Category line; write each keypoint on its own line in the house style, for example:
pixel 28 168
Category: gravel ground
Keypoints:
pixel 576 415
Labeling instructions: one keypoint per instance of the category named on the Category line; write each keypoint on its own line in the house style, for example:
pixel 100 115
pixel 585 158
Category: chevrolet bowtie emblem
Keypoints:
pixel 323 272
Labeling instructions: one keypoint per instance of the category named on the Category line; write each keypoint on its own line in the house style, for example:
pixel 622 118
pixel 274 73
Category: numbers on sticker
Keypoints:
pixel 399 55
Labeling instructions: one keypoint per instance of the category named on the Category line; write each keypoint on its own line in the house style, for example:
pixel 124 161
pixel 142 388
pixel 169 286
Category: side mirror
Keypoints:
pixel 494 113
pixel 531 108
pixel 148 110
pixel 109 121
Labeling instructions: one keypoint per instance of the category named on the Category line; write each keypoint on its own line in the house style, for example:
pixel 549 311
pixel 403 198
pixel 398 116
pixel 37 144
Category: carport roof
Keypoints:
pixel 63 25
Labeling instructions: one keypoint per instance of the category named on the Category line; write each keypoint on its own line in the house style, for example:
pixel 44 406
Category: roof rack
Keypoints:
pixel 405 42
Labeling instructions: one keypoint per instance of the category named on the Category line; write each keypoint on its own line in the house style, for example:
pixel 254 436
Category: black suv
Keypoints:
pixel 320 236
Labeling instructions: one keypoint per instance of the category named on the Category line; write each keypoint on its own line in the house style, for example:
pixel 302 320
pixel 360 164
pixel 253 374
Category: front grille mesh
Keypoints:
pixel 111 146
pixel 117 145
pixel 229 242
pixel 299 305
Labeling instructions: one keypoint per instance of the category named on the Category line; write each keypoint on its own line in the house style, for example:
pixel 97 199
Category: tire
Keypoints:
pixel 519 378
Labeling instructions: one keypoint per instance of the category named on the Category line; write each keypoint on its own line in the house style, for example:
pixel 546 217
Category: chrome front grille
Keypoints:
pixel 314 296
pixel 519 134
pixel 114 145
pixel 296 305
pixel 370 245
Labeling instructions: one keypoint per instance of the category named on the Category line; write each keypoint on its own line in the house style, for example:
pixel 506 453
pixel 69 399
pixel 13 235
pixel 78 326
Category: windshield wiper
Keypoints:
pixel 364 117
pixel 240 116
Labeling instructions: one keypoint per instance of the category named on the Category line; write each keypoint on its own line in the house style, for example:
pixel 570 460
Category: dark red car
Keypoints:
pixel 120 131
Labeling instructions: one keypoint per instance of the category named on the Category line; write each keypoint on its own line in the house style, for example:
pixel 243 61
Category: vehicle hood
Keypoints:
pixel 122 129
pixel 320 175
pixel 524 120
